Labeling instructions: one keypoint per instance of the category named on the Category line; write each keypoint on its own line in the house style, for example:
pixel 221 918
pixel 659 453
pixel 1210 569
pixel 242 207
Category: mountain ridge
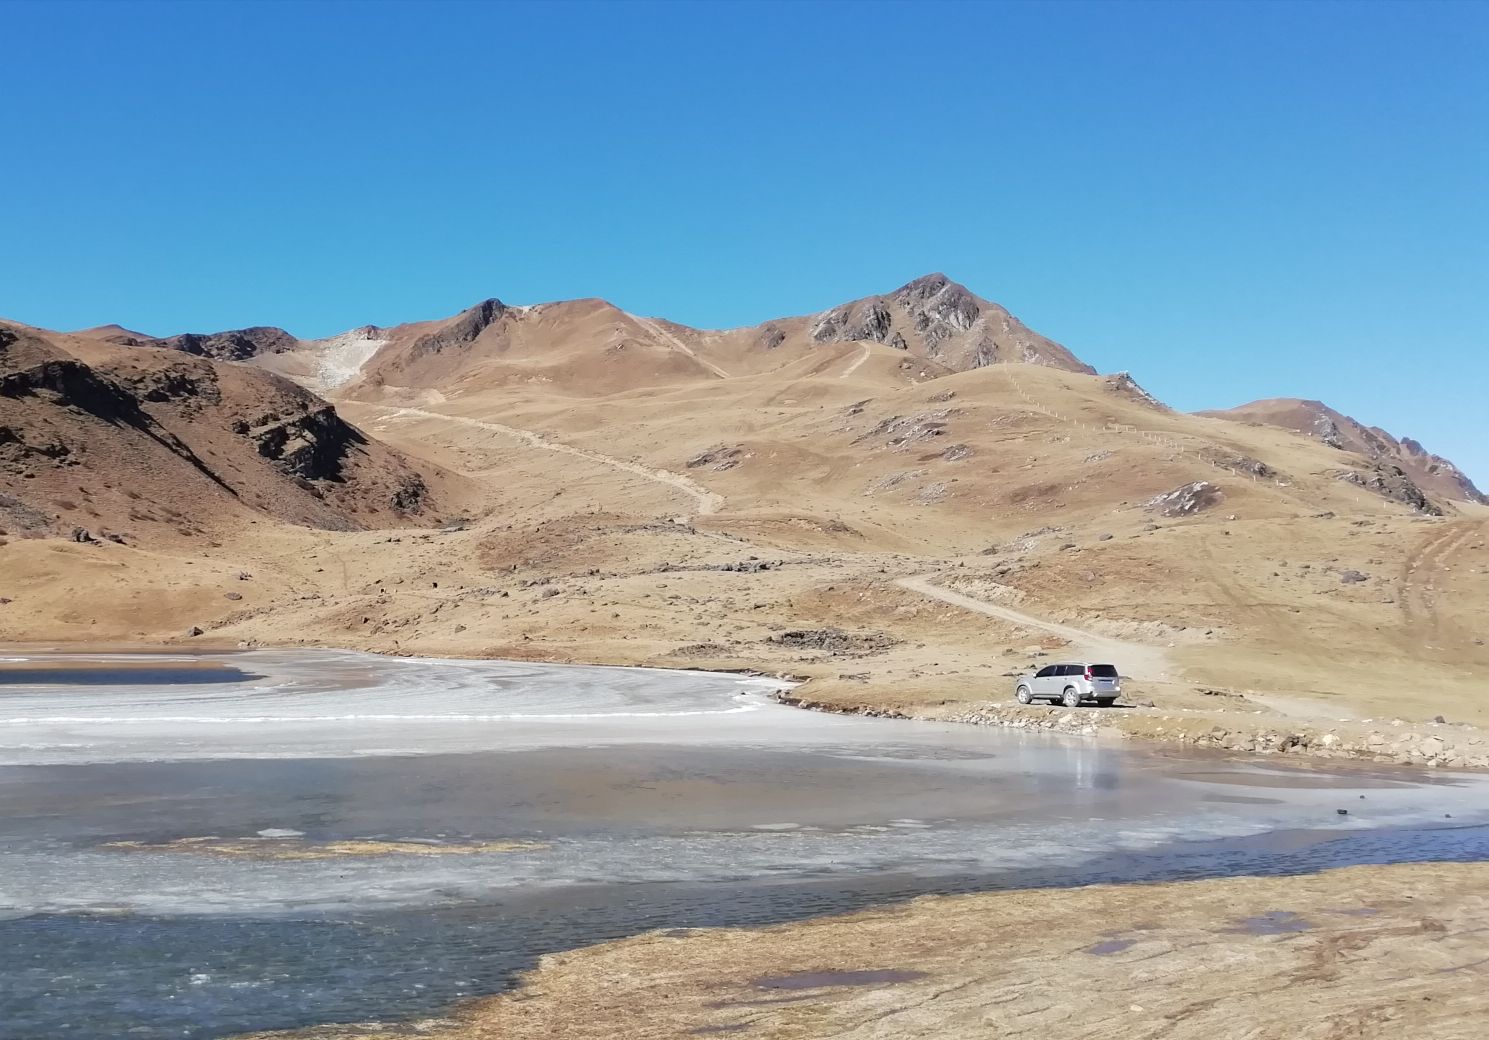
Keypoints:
pixel 1317 420
pixel 932 324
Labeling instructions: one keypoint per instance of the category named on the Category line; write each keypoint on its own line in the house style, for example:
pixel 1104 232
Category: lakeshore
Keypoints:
pixel 342 837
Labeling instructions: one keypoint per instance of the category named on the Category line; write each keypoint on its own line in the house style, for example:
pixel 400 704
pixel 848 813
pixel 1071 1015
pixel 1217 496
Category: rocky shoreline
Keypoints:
pixel 1435 745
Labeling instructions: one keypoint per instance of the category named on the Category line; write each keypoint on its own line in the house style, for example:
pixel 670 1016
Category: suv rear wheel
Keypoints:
pixel 1072 698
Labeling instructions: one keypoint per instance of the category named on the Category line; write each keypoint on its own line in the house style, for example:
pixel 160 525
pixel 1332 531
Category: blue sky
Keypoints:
pixel 1231 201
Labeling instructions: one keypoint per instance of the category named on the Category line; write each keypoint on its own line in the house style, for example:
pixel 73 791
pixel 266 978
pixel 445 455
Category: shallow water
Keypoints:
pixel 636 800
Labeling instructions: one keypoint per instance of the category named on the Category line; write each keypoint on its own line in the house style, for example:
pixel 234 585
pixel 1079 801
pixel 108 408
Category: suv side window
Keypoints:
pixel 1045 672
pixel 1067 669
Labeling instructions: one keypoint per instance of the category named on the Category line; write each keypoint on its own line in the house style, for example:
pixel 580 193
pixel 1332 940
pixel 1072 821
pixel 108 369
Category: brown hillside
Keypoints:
pixel 908 535
pixel 1434 474
pixel 140 443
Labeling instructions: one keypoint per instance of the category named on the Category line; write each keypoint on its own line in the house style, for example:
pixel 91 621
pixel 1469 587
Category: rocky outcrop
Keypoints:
pixel 1392 482
pixel 31 369
pixel 720 457
pixel 833 642
pixel 939 310
pixel 1443 471
pixel 900 432
pixel 1186 499
pixel 312 445
pixel 234 345
pixel 1123 385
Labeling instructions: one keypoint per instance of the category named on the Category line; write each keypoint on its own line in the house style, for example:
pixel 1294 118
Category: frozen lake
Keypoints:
pixel 279 838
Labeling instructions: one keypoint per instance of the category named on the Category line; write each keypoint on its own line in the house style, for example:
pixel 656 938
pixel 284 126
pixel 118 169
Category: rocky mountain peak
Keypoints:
pixel 941 320
pixel 461 329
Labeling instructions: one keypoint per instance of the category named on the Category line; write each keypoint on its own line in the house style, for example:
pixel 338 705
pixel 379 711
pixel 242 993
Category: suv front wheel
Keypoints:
pixel 1023 695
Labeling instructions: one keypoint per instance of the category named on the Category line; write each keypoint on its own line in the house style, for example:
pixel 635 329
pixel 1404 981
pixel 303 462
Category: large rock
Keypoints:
pixel 1187 499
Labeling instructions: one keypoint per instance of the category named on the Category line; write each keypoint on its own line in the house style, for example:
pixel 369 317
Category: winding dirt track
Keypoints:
pixel 1424 566
pixel 864 356
pixel 677 344
pixel 1133 659
pixel 707 502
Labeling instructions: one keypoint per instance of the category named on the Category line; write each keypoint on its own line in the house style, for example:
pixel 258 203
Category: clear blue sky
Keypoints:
pixel 1231 201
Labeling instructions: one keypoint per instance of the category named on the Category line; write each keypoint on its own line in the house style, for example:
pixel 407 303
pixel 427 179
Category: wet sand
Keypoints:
pixel 1369 953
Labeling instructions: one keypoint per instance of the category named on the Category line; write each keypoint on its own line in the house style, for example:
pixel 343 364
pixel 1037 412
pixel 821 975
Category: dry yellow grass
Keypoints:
pixel 1360 954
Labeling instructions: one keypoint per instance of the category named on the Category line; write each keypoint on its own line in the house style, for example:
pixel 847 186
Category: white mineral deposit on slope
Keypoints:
pixel 340 359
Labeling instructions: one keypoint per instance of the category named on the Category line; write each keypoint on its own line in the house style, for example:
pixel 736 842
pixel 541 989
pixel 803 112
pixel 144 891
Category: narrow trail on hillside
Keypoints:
pixel 1426 565
pixel 1137 660
pixel 708 502
pixel 856 362
pixel 676 344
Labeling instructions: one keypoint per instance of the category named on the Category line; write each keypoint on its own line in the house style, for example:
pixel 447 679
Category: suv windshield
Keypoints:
pixel 1104 671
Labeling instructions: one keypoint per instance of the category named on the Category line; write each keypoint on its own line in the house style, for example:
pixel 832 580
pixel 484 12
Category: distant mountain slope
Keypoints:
pixel 1432 473
pixel 233 345
pixel 591 346
pixel 937 319
pixel 111 437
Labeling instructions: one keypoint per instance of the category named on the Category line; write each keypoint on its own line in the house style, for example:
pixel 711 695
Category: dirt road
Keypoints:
pixel 1133 659
pixel 707 502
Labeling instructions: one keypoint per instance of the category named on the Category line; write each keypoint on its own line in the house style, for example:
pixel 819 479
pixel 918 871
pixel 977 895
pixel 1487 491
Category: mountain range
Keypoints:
pixel 569 481
pixel 934 322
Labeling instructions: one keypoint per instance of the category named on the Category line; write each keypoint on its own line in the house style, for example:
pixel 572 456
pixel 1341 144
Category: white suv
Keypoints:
pixel 1070 684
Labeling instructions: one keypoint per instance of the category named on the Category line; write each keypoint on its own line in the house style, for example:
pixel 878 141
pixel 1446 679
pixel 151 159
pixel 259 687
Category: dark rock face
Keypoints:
pixel 410 496
pixel 771 336
pixel 235 345
pixel 312 444
pixel 71 384
pixel 1392 482
pixel 939 309
pixel 191 387
pixel 464 329
pixel 1243 464
pixel 872 324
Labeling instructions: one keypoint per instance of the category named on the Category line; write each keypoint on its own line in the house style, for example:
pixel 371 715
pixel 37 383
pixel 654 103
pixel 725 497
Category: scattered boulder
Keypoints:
pixel 1353 577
